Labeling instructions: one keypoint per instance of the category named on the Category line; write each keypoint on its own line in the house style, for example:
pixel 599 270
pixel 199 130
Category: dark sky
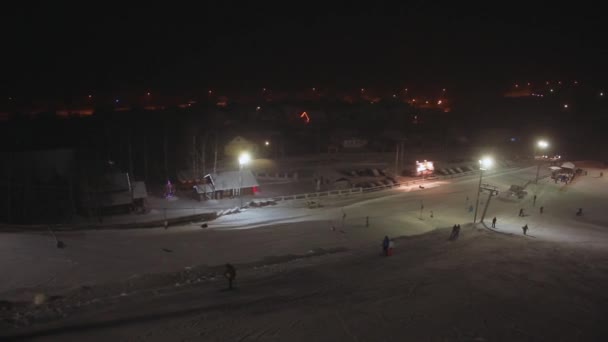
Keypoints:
pixel 51 49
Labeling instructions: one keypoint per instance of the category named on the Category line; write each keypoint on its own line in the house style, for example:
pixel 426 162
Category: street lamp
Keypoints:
pixel 542 145
pixel 484 164
pixel 244 159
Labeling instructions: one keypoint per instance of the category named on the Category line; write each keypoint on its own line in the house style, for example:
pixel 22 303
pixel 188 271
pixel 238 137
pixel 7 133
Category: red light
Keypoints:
pixel 305 116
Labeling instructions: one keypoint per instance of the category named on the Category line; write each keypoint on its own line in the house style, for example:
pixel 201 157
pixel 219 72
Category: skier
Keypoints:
pixel 521 212
pixel 453 235
pixel 385 244
pixel 541 210
pixel 494 222
pixel 525 229
pixel 230 274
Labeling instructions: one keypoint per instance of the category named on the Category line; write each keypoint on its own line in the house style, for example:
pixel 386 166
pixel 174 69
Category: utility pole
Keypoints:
pixel 165 153
pixel 397 161
pixel 215 158
pixel 204 166
pixel 145 158
pixel 194 157
pixel 130 150
pixel 9 189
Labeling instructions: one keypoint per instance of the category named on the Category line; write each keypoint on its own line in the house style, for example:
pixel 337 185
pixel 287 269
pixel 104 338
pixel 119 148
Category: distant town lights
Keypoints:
pixel 542 144
pixel 267 143
pixel 566 105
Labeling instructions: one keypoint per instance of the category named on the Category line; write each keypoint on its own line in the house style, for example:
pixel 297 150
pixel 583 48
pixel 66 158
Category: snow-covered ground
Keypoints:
pixel 481 287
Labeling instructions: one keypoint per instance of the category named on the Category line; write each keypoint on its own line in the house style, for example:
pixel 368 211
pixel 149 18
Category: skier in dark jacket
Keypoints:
pixel 494 222
pixel 385 244
pixel 525 229
pixel 230 274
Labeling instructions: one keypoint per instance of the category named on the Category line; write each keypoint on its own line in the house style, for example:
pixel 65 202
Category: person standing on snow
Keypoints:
pixel 521 212
pixel 230 274
pixel 541 210
pixel 385 244
pixel 525 229
pixel 494 222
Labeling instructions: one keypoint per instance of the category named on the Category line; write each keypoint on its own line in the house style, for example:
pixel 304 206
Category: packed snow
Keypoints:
pixel 315 273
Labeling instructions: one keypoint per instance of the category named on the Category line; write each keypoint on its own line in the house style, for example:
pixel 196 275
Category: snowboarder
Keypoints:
pixel 385 244
pixel 230 274
pixel 494 222
pixel 391 245
pixel 525 229
pixel 521 212
pixel 579 212
pixel 541 210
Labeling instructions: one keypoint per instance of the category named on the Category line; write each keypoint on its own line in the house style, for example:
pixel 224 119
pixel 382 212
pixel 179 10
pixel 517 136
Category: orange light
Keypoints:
pixel 305 116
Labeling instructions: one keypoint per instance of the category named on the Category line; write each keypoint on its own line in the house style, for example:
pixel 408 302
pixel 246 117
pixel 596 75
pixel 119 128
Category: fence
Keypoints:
pixel 331 193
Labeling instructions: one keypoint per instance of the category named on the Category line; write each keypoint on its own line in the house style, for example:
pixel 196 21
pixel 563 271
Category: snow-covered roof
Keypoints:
pixel 568 165
pixel 230 180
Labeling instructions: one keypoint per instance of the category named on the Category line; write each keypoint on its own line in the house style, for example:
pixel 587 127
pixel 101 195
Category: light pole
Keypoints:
pixel 244 159
pixel 541 144
pixel 484 164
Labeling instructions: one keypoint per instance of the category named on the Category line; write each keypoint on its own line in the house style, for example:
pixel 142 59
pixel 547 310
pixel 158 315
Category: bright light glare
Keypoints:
pixel 267 143
pixel 486 163
pixel 543 144
pixel 244 158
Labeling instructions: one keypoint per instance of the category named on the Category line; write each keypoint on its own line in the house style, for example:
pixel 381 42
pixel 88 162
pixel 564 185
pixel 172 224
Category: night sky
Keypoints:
pixel 58 50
